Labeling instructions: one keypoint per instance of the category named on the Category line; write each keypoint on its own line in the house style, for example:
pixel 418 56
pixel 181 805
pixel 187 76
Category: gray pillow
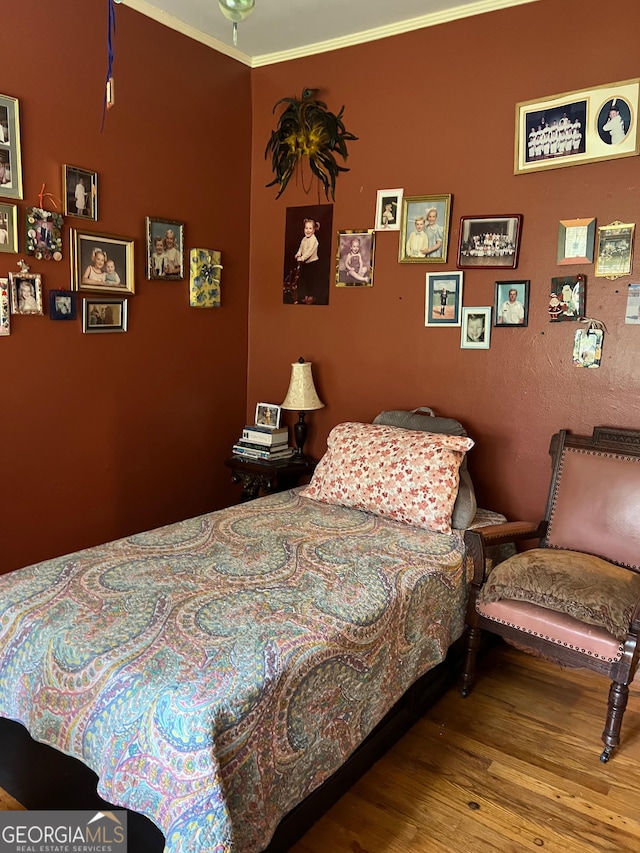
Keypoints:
pixel 464 509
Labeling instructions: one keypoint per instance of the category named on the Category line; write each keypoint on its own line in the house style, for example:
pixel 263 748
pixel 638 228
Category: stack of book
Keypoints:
pixel 263 443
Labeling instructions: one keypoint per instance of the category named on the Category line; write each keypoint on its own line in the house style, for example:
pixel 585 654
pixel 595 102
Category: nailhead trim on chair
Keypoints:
pixel 555 641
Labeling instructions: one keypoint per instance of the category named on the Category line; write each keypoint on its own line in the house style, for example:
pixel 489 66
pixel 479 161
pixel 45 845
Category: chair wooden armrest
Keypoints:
pixel 635 619
pixel 479 538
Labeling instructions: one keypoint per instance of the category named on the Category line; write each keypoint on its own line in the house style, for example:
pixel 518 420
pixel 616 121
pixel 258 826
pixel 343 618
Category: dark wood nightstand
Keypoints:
pixel 267 477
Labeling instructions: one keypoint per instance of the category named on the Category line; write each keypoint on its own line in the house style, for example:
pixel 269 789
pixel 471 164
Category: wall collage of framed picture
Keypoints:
pixel 102 272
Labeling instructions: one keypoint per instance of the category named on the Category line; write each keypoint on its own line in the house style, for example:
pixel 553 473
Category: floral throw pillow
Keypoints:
pixel 400 474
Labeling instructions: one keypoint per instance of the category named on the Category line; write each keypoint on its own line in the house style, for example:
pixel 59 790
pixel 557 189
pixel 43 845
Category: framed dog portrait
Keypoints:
pixel 476 327
pixel 424 233
pixel 26 293
pixel 80 192
pixel 489 242
pixel 101 262
pixel 165 249
pixel 354 258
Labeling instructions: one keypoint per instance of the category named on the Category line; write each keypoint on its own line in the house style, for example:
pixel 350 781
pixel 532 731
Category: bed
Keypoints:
pixel 215 672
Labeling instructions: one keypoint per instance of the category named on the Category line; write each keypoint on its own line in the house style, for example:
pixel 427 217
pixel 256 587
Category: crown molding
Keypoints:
pixel 480 7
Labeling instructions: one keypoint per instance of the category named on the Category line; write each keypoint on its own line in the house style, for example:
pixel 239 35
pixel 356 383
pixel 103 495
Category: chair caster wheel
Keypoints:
pixel 606 754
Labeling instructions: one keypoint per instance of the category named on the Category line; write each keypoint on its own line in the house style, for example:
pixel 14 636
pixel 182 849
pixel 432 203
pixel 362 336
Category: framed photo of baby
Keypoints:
pixel 165 249
pixel 424 233
pixel 101 262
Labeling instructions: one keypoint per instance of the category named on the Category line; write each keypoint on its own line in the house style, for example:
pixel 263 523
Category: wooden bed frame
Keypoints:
pixel 41 777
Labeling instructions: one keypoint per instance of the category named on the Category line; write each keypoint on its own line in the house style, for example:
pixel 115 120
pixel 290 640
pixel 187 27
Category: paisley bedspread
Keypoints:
pixel 215 671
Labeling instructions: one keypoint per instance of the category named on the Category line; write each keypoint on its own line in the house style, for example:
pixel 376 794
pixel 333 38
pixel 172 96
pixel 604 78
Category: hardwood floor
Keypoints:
pixel 514 767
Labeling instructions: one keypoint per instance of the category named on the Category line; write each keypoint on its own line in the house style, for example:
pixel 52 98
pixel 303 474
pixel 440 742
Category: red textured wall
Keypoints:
pixel 434 113
pixel 107 434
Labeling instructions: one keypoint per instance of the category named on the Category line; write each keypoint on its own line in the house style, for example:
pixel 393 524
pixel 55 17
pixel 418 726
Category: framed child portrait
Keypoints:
pixel 62 305
pixel 165 249
pixel 511 306
pixel 26 293
pixel 8 228
pixel 101 262
pixel 476 327
pixel 424 233
pixel 104 315
pixel 443 300
pixel 354 258
pixel 80 192
pixel 489 242
pixel 10 153
pixel 388 210
pixel 268 414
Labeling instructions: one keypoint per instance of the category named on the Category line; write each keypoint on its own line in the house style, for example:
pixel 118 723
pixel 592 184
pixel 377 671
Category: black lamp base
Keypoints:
pixel 300 433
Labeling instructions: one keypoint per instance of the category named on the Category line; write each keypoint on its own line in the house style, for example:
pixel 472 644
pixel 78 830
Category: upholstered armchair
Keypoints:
pixel 575 599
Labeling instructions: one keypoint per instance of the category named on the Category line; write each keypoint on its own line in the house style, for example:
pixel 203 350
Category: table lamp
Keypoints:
pixel 301 397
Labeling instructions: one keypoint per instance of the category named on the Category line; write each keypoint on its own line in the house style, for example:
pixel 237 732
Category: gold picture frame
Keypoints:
pixel 424 237
pixel 101 262
pixel 583 126
pixel 80 192
pixel 614 251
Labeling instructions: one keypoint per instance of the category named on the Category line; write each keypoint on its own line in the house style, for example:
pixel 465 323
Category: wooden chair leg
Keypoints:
pixel 469 668
pixel 618 696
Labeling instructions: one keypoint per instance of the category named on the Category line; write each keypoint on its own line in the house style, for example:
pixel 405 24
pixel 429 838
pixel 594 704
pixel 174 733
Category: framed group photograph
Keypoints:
pixel 511 306
pixel 8 228
pixel 424 230
pixel 26 293
pixel 10 152
pixel 44 234
pixel 443 300
pixel 62 305
pixel 268 414
pixel 476 327
pixel 354 258
pixel 80 192
pixel 578 127
pixel 576 241
pixel 567 298
pixel 489 242
pixel 104 315
pixel 388 210
pixel 165 249
pixel 101 262
pixel 614 252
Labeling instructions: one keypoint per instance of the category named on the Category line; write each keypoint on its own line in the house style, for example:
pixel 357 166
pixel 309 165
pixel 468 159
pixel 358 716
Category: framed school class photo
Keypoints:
pixel 26 293
pixel 44 234
pixel 104 315
pixel 165 249
pixel 80 192
pixel 576 241
pixel 268 414
pixel 614 250
pixel 62 305
pixel 354 258
pixel 489 242
pixel 8 228
pixel 476 327
pixel 10 152
pixel 511 306
pixel 443 299
pixel 577 127
pixel 424 232
pixel 101 262
pixel 388 210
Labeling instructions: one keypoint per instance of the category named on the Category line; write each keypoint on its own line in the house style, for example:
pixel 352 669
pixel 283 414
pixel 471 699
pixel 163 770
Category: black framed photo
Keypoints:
pixel 10 151
pixel 354 258
pixel 62 305
pixel 80 192
pixel 567 298
pixel 165 249
pixel 511 306
pixel 104 315
pixel 489 242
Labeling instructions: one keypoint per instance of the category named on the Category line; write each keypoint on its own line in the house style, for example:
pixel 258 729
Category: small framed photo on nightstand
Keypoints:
pixel 268 414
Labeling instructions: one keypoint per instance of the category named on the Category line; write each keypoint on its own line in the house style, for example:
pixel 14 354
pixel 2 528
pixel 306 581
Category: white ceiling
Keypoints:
pixel 278 30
